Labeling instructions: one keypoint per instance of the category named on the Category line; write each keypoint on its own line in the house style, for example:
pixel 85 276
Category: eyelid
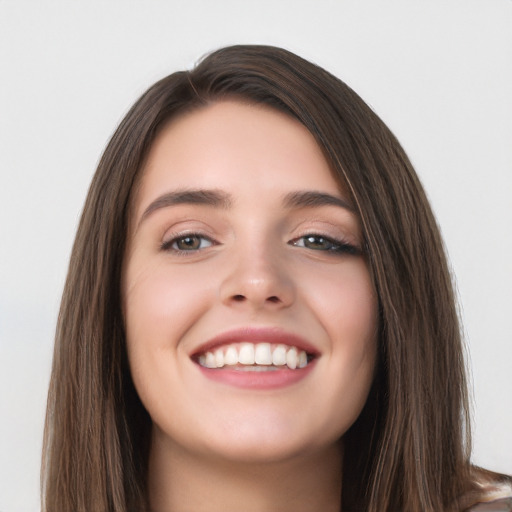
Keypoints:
pixel 343 228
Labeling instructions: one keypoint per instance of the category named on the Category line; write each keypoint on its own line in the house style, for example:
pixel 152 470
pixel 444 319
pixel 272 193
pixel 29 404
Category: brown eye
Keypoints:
pixel 318 243
pixel 187 243
pixel 322 243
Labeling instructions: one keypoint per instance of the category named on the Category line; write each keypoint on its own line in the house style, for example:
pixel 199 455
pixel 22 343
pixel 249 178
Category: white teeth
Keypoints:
pixel 250 355
pixel 210 360
pixel 219 358
pixel 279 355
pixel 246 355
pixel 231 356
pixel 291 358
pixel 262 354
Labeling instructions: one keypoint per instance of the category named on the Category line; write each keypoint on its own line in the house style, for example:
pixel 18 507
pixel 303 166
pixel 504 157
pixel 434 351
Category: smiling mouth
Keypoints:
pixel 254 357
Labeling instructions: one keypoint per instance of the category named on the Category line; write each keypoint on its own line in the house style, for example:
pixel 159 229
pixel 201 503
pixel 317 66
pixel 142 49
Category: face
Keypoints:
pixel 249 309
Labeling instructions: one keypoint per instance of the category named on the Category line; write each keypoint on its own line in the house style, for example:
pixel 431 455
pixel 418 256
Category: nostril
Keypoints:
pixel 238 298
pixel 274 299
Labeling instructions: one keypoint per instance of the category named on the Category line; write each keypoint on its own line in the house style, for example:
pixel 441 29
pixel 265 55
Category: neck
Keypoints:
pixel 181 481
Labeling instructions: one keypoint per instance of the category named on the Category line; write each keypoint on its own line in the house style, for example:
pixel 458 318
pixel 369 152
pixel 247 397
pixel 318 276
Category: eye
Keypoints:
pixel 323 243
pixel 187 243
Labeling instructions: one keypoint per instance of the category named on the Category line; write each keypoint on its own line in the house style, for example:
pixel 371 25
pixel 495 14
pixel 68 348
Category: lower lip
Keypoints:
pixel 272 379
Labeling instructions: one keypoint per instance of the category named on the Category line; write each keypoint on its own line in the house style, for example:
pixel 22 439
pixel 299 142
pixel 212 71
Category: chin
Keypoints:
pixel 267 441
pixel 257 451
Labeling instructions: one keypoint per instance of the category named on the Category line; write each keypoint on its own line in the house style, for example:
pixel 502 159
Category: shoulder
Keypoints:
pixel 492 492
pixel 500 505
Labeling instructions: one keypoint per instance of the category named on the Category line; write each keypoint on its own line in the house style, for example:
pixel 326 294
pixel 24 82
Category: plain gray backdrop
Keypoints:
pixel 439 73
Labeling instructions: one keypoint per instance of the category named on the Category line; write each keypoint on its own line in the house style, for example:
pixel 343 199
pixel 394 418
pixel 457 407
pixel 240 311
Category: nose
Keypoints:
pixel 257 280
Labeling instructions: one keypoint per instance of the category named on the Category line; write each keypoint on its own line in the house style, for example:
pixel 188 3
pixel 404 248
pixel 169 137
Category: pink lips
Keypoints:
pixel 257 380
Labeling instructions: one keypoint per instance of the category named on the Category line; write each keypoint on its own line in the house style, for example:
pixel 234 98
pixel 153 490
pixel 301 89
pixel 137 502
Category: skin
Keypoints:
pixel 218 447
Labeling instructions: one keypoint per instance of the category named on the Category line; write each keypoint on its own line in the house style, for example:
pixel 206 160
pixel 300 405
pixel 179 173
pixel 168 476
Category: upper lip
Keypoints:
pixel 256 335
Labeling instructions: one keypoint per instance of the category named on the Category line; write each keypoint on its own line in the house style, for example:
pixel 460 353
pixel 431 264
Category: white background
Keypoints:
pixel 438 72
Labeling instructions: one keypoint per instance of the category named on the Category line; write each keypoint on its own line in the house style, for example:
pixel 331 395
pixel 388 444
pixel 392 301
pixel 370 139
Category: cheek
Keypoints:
pixel 345 303
pixel 160 304
pixel 353 324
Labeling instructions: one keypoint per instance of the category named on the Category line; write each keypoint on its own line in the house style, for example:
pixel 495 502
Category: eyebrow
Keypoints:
pixel 212 198
pixel 220 199
pixel 311 199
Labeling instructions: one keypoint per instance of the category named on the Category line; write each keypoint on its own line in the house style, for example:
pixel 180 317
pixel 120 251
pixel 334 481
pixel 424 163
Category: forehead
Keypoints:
pixel 241 148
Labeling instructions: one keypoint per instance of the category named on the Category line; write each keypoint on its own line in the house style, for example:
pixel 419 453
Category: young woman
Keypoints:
pixel 258 313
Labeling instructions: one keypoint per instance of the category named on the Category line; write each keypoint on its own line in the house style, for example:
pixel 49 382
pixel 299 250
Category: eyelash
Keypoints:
pixel 335 246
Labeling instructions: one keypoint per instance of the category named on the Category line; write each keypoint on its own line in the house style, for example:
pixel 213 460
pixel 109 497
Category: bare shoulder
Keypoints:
pixel 500 505
pixel 492 492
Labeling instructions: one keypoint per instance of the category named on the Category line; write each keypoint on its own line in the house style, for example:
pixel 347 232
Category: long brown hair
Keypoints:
pixel 409 449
